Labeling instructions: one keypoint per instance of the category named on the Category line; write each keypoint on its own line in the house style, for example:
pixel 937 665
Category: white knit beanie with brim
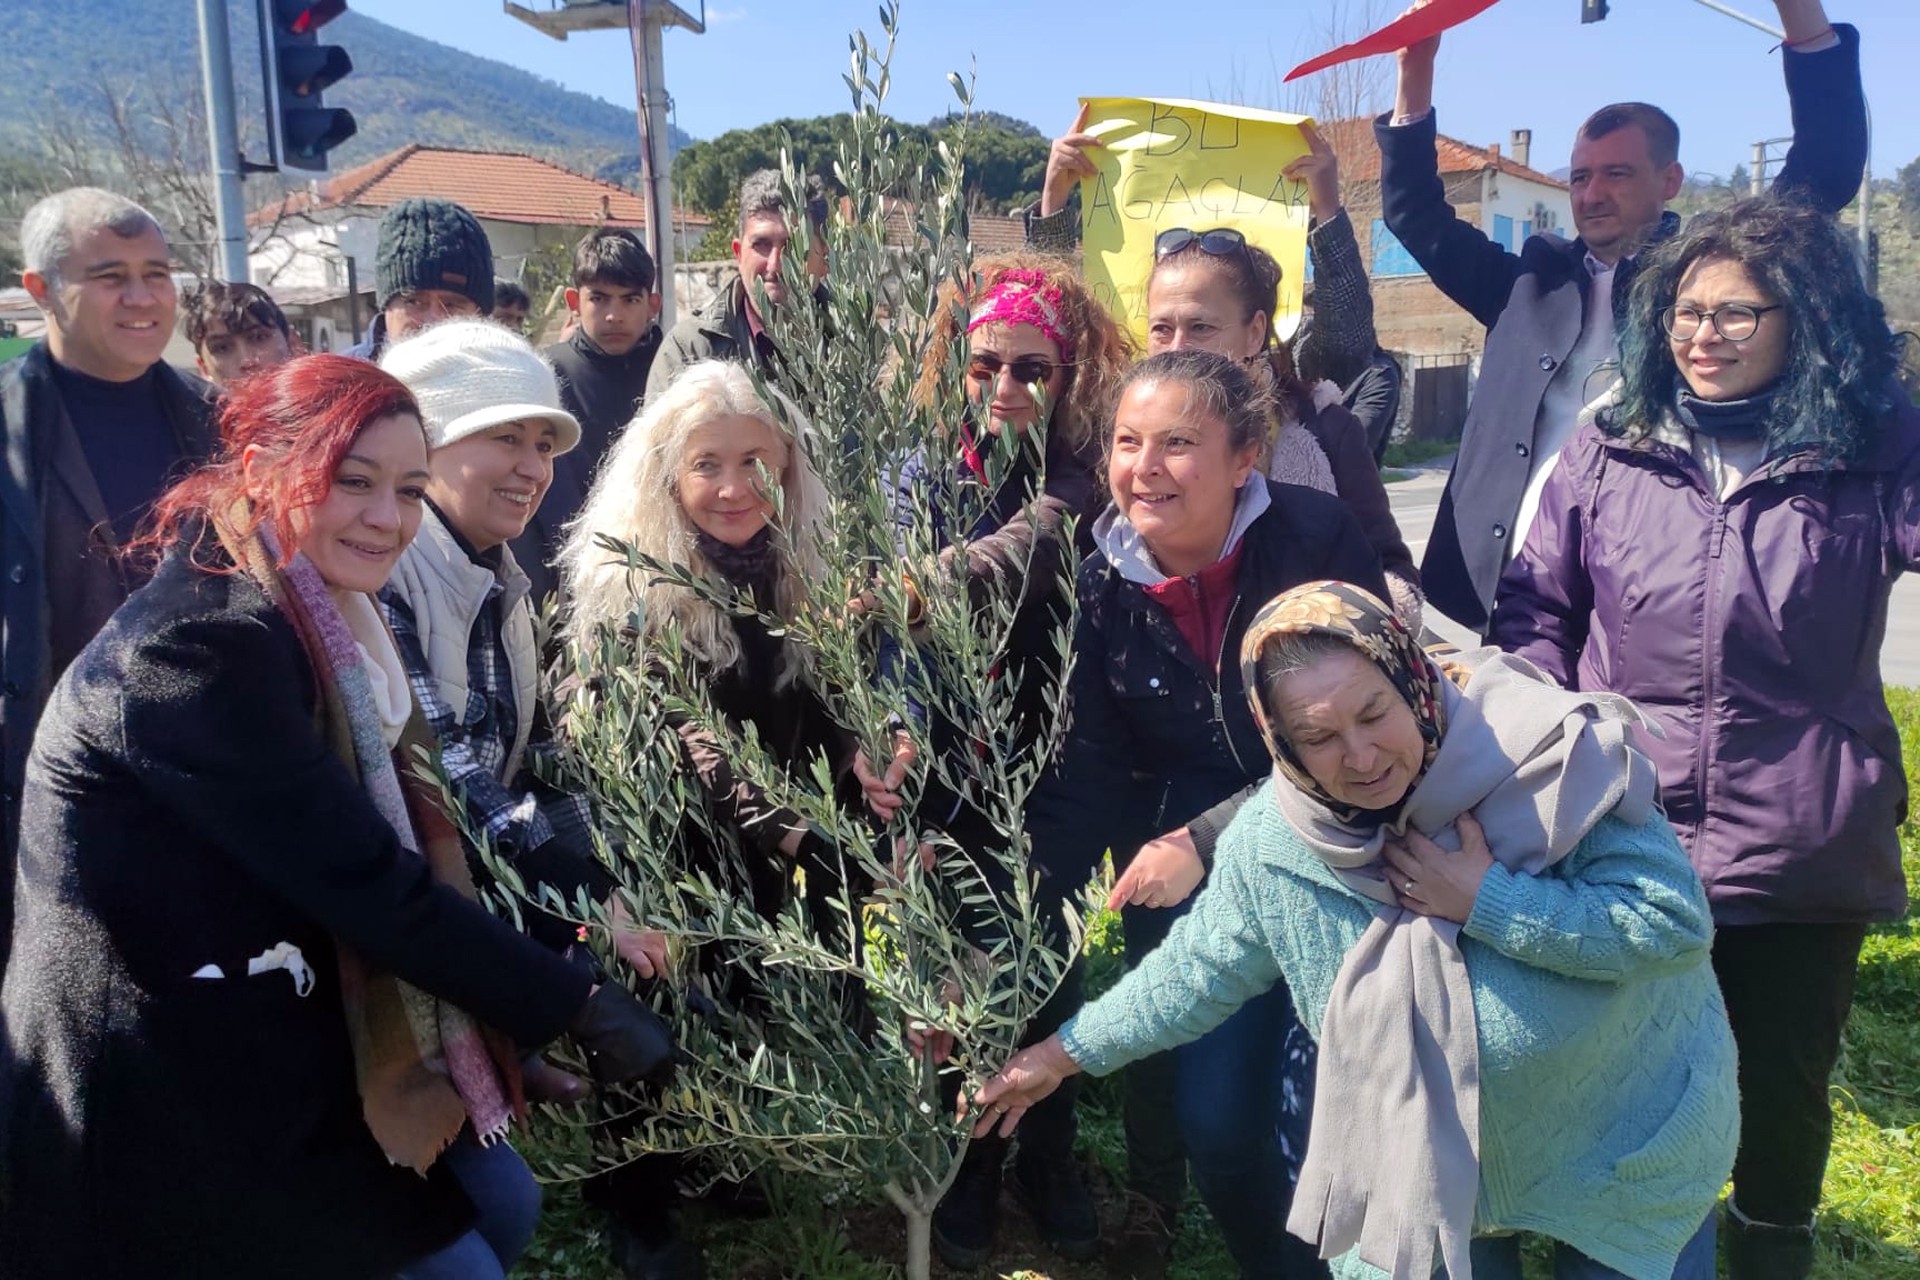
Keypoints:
pixel 470 376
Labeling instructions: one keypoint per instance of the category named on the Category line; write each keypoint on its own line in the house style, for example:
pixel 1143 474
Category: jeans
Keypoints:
pixel 1498 1258
pixel 507 1202
pixel 1788 989
pixel 1238 1100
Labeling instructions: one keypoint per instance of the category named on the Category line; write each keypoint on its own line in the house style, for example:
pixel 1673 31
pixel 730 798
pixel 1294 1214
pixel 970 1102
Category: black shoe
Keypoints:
pixel 662 1254
pixel 967 1216
pixel 1055 1193
pixel 1144 1245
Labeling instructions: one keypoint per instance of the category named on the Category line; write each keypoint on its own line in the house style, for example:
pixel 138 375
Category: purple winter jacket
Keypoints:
pixel 1750 629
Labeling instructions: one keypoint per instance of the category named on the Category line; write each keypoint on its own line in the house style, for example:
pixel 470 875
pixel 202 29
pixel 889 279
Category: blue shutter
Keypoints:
pixel 1390 257
pixel 1503 231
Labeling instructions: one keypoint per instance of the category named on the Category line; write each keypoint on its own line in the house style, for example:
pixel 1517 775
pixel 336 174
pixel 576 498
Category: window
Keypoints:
pixel 1390 257
pixel 1503 231
pixel 1526 233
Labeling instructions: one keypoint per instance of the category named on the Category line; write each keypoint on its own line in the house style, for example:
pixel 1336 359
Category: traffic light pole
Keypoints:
pixel 223 137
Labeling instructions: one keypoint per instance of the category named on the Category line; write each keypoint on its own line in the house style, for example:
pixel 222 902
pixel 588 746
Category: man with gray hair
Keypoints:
pixel 731 327
pixel 96 427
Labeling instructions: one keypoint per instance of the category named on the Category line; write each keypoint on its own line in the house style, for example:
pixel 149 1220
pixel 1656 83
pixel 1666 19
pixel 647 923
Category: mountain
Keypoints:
pixel 58 55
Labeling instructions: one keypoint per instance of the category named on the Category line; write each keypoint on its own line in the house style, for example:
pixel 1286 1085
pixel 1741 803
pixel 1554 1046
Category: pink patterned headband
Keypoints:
pixel 1023 297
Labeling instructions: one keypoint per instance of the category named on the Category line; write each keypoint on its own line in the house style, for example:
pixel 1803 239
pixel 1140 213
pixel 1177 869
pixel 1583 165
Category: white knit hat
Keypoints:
pixel 472 375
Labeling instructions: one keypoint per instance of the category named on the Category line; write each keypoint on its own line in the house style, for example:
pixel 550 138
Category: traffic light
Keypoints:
pixel 1592 10
pixel 299 68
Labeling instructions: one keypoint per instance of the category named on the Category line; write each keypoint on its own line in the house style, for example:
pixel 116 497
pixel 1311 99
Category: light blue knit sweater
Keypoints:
pixel 1609 1110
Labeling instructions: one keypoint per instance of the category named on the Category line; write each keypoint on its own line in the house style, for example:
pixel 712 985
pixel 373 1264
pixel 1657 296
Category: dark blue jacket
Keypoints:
pixel 1156 736
pixel 1533 303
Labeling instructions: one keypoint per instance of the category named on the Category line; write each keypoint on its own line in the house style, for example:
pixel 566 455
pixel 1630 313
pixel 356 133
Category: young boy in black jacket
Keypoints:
pixel 603 368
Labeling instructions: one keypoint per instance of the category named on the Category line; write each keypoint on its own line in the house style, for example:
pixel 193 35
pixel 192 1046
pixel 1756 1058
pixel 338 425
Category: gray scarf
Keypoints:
pixel 1393 1165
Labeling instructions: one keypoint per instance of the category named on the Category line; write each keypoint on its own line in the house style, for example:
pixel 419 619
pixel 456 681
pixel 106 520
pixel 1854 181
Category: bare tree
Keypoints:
pixel 148 142
pixel 1349 90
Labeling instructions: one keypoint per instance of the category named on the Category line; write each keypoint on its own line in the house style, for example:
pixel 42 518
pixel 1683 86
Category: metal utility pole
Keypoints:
pixel 223 138
pixel 646 22
pixel 1738 16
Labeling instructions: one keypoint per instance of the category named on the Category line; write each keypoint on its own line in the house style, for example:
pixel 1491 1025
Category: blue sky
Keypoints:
pixel 1523 64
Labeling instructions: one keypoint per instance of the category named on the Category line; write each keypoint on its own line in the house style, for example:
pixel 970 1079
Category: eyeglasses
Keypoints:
pixel 986 367
pixel 1736 322
pixel 1221 242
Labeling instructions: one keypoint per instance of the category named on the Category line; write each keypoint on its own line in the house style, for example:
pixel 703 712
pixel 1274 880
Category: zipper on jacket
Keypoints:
pixel 1219 665
pixel 1709 651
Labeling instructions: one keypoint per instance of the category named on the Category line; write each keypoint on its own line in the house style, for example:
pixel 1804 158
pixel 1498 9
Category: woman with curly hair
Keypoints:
pixel 1719 544
pixel 1042 360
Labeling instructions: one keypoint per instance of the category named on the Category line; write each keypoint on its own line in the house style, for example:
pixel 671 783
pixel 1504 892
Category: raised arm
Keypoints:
pixel 1341 339
pixel 1461 260
pixel 1822 66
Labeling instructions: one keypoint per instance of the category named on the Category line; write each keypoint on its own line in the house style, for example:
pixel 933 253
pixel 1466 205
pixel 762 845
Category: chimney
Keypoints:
pixel 1522 146
pixel 1493 152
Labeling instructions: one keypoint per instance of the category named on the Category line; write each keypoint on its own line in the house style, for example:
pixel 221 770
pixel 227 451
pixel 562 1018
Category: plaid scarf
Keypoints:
pixel 425 1068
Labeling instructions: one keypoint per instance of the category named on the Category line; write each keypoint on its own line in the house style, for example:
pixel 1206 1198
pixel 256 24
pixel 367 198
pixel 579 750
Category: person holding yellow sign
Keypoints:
pixel 1214 291
pixel 1211 282
pixel 1300 170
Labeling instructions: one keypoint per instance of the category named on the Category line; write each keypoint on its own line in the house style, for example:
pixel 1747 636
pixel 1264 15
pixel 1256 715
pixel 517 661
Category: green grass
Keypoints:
pixel 1870 1212
pixel 1411 453
pixel 1869 1215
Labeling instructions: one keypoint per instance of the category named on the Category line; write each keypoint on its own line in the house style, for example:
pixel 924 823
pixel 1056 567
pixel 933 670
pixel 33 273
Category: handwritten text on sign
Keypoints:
pixel 1167 162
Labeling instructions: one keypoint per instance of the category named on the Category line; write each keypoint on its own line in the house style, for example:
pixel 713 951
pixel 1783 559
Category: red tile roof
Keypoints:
pixel 989 232
pixel 495 185
pixel 1353 142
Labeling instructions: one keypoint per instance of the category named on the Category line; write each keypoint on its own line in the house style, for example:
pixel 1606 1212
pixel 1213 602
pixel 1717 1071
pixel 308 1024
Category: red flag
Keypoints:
pixel 1401 33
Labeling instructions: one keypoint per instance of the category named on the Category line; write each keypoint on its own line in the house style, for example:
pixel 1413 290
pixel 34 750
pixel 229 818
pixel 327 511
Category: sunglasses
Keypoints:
pixel 986 367
pixel 1222 242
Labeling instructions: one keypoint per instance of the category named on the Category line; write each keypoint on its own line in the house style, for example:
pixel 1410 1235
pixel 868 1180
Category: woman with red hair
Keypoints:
pixel 251 1004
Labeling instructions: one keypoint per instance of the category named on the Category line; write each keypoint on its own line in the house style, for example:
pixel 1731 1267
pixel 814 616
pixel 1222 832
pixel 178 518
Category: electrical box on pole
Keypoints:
pixel 298 70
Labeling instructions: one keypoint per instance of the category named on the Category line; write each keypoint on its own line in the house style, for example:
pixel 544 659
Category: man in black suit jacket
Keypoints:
pixel 96 427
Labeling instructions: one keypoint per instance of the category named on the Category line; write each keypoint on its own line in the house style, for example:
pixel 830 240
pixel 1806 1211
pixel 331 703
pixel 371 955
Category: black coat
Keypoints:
pixel 1156 738
pixel 1016 551
pixel 182 809
pixel 604 392
pixel 51 501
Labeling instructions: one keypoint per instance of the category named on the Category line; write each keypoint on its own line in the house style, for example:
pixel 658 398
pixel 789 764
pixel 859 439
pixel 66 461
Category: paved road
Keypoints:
pixel 1415 502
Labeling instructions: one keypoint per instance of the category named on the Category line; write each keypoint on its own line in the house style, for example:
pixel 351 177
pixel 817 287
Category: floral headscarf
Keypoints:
pixel 1358 617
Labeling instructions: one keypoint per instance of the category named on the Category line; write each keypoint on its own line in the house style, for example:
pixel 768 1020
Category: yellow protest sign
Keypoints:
pixel 1168 162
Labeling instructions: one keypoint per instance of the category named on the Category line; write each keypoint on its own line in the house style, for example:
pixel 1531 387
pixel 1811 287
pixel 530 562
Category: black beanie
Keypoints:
pixel 427 243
